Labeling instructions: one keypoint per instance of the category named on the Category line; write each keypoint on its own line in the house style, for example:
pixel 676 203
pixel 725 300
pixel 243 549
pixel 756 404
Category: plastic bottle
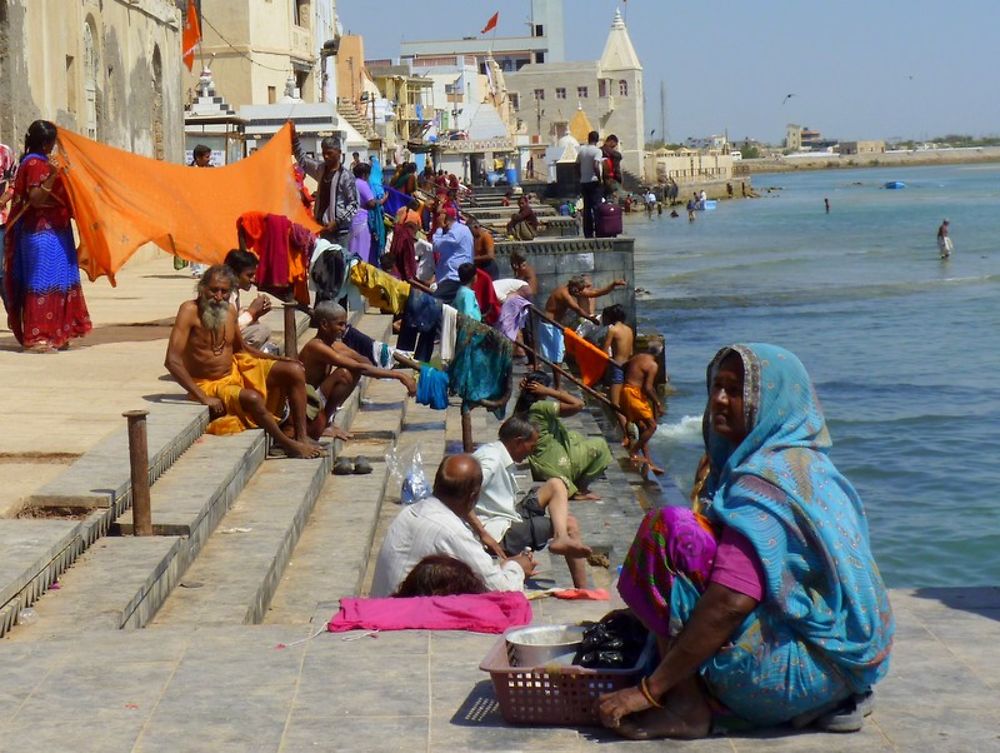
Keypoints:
pixel 27 616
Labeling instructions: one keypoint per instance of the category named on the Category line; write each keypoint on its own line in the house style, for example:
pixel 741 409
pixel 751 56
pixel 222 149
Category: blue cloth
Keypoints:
pixel 481 366
pixel 45 261
pixel 824 627
pixel 432 387
pixel 466 303
pixel 422 311
pixel 396 201
pixel 550 342
pixel 376 216
pixel 452 249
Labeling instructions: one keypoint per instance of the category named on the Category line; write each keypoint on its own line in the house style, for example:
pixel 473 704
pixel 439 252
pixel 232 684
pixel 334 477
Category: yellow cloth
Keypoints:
pixel 121 201
pixel 248 372
pixel 381 290
pixel 635 405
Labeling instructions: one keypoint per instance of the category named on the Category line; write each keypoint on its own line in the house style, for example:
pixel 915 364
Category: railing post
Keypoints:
pixel 291 331
pixel 467 445
pixel 138 453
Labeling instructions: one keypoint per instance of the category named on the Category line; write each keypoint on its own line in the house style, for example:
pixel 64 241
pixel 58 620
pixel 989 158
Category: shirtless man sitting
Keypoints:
pixel 641 404
pixel 333 370
pixel 618 343
pixel 242 387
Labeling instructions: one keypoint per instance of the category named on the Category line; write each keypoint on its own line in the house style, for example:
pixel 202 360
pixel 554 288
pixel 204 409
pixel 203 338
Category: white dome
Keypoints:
pixel 567 141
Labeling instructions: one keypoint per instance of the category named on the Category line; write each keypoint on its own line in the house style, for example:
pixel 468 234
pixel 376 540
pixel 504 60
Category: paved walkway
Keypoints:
pixel 233 688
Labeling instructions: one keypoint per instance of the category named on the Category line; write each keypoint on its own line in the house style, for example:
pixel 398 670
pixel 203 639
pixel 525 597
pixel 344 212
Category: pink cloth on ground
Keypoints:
pixel 583 594
pixel 491 612
pixel 737 565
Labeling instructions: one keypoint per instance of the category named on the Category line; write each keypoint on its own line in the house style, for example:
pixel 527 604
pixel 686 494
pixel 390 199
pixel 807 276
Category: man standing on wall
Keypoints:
pixel 588 165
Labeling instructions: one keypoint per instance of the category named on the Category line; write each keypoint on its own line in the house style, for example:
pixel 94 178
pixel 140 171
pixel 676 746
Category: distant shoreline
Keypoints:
pixel 890 159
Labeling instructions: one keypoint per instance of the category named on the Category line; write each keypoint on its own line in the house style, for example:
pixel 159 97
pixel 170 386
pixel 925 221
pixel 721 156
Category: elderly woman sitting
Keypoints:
pixel 770 606
pixel 560 453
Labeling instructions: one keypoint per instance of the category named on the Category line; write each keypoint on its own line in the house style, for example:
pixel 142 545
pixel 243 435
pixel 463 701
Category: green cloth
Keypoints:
pixel 564 454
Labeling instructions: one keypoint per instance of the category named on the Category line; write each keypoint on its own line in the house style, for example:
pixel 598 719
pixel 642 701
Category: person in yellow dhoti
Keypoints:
pixel 242 387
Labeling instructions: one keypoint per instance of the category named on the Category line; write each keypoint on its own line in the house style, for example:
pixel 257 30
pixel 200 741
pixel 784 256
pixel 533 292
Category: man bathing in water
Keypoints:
pixel 641 404
pixel 618 343
pixel 333 370
pixel 242 387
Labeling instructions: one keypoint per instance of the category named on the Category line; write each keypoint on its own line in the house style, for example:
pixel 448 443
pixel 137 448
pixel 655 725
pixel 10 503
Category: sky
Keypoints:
pixel 858 68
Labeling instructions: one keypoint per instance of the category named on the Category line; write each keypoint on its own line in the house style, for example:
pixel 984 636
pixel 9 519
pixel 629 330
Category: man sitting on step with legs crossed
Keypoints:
pixel 333 370
pixel 508 522
pixel 242 387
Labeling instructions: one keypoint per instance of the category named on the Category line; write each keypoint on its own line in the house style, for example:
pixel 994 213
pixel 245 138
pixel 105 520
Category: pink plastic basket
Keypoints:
pixel 554 694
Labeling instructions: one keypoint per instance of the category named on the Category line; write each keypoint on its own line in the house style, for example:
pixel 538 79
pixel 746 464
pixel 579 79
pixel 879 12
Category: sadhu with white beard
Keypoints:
pixel 243 388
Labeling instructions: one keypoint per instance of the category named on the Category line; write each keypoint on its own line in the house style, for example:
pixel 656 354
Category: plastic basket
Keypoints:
pixel 555 694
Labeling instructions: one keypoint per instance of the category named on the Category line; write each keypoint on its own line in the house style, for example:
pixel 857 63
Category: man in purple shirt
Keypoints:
pixel 453 244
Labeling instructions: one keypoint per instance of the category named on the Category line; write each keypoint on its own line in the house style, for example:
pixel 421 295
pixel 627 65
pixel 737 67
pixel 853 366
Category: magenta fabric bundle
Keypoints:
pixel 491 612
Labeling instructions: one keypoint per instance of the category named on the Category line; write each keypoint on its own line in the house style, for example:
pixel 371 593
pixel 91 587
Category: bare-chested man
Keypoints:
pixel 333 370
pixel 641 404
pixel 549 336
pixel 618 344
pixel 524 271
pixel 242 387
pixel 587 297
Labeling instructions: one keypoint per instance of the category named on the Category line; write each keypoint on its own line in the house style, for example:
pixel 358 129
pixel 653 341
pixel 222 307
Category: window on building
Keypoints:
pixel 602 88
pixel 539 57
pixel 623 87
pixel 539 94
pixel 71 103
pixel 272 95
pixel 581 92
pixel 539 30
pixel 301 12
pixel 560 92
pixel 515 100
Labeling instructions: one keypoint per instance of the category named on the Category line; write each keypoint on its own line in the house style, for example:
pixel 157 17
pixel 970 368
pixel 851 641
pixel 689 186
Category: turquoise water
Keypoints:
pixel 904 349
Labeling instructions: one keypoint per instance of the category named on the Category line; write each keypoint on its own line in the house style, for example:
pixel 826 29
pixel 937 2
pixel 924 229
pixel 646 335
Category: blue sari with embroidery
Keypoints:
pixel 376 216
pixel 824 628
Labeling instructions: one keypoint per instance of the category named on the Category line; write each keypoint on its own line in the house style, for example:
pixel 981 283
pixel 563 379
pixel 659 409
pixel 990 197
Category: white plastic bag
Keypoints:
pixel 407 470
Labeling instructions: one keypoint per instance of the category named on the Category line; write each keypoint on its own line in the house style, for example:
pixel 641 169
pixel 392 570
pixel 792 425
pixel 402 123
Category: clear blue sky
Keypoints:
pixel 858 68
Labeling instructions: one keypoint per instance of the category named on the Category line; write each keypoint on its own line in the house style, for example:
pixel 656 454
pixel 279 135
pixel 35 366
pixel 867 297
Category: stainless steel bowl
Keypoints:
pixel 543 644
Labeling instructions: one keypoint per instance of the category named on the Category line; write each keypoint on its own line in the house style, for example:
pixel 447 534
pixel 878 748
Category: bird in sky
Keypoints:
pixel 787 97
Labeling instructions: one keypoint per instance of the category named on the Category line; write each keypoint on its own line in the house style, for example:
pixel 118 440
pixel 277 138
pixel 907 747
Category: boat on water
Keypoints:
pixel 894 184
pixel 707 204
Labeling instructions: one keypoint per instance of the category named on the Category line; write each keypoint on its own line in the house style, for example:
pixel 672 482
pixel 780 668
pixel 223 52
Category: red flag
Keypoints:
pixel 192 35
pixel 492 23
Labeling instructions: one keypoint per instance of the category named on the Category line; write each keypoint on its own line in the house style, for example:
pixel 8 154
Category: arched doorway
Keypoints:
pixel 91 74
pixel 159 150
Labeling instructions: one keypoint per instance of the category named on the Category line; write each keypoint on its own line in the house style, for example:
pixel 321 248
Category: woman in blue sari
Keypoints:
pixel 769 608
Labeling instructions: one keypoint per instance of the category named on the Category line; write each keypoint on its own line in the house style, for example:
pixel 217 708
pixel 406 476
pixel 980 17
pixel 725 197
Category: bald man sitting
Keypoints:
pixel 438 525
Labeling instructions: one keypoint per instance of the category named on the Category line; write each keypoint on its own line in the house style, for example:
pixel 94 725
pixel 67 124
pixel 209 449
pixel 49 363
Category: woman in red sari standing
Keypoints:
pixel 45 305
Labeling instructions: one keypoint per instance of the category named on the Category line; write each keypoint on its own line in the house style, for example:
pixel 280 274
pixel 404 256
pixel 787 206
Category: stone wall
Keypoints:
pixel 557 259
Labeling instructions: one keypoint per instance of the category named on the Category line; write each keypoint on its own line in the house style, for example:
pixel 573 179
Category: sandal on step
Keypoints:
pixel 343 467
pixel 362 466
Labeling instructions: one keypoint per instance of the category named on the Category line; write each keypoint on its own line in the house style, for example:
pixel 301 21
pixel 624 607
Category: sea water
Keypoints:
pixel 904 348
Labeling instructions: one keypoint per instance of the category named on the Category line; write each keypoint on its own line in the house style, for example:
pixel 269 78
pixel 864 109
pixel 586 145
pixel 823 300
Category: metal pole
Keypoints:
pixel 291 331
pixel 467 445
pixel 138 453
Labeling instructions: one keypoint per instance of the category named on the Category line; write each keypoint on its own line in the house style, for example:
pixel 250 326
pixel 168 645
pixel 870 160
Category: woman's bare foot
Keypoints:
pixel 654 724
pixel 585 496
pixel 337 433
pixel 569 547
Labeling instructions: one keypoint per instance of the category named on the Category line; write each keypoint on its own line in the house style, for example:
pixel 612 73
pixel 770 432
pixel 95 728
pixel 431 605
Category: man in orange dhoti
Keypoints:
pixel 242 387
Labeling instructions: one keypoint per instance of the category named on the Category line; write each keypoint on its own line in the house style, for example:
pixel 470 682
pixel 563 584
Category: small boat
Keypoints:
pixel 707 204
pixel 895 184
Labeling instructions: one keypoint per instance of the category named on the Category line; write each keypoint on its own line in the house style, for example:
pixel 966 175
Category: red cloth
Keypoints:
pixel 590 360
pixel 272 250
pixel 583 594
pixel 403 251
pixel 737 565
pixel 31 174
pixel 486 297
pixel 491 612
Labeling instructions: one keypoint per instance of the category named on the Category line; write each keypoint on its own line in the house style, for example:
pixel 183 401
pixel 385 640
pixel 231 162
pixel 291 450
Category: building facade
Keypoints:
pixel 609 91
pixel 109 69
pixel 544 44
pixel 254 46
pixel 862 147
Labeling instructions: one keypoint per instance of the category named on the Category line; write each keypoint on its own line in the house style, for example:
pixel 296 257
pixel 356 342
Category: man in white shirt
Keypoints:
pixel 438 525
pixel 507 521
pixel 588 164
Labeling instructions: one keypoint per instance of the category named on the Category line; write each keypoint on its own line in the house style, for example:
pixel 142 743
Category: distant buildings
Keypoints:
pixel 862 147
pixel 544 44
pixel 609 90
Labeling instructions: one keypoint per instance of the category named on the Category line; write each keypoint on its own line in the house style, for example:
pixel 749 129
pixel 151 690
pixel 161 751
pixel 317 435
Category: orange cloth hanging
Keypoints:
pixel 590 360
pixel 121 201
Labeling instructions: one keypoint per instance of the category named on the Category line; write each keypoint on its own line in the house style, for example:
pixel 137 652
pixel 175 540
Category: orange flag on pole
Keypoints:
pixel 492 23
pixel 192 35
pixel 121 201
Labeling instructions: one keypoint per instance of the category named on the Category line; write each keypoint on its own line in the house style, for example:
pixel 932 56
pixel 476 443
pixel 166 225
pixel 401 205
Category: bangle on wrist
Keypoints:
pixel 644 688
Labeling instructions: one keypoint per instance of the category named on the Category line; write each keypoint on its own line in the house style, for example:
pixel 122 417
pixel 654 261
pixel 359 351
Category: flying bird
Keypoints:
pixel 787 97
